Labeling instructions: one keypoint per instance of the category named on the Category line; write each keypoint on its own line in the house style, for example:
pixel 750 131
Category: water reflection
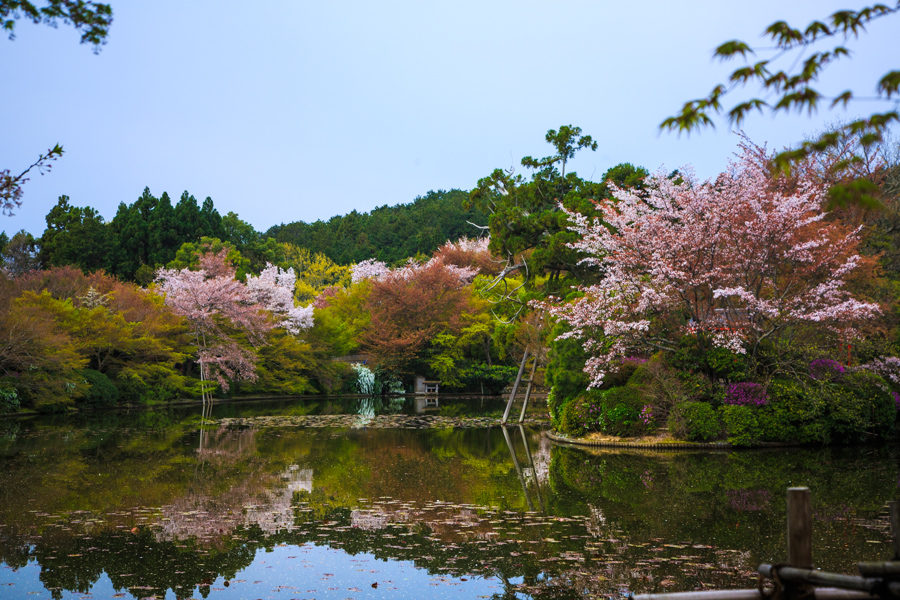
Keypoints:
pixel 129 505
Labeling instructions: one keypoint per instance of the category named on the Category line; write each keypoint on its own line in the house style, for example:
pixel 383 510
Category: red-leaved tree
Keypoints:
pixel 410 305
pixel 735 261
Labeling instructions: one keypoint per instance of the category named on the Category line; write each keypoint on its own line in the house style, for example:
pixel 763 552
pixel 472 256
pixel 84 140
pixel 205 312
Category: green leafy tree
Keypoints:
pixel 75 236
pixel 315 272
pixel 38 356
pixel 18 255
pixel 793 90
pixel 189 255
pixel 528 227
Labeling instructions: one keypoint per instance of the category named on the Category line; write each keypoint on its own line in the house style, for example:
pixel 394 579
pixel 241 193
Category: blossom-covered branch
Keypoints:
pixel 735 260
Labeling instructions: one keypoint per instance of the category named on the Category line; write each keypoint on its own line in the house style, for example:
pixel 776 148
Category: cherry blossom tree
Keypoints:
pixel 368 269
pixel 734 261
pixel 470 252
pixel 219 307
pixel 377 270
pixel 274 289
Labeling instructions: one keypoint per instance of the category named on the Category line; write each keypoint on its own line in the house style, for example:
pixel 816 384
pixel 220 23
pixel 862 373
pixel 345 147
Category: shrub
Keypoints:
pixel 694 421
pixel 133 391
pixel 621 411
pixel 793 414
pixel 867 410
pixel 692 355
pixel 858 408
pixel 565 369
pixel 664 387
pixel 573 418
pixel 100 390
pixel 9 400
pixel 741 424
pixel 746 393
pixel 491 379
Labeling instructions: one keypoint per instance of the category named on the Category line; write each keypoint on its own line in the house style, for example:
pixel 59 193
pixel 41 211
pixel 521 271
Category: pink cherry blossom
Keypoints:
pixel 739 259
pixel 218 306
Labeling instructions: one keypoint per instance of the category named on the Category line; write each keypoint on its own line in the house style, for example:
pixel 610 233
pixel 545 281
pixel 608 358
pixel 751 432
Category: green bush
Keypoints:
pixel 876 406
pixel 694 421
pixel 858 408
pixel 565 369
pixel 793 414
pixel 573 418
pixel 100 390
pixel 491 379
pixel 621 411
pixel 741 424
pixel 615 412
pixel 9 400
pixel 133 391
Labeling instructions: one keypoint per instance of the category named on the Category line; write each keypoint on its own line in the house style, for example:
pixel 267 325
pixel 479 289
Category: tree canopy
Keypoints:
pixel 793 89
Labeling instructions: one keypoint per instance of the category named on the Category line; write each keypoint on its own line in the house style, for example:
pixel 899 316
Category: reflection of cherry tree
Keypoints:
pixel 218 307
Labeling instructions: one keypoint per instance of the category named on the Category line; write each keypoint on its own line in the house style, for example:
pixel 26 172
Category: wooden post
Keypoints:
pixel 515 389
pixel 799 528
pixel 895 527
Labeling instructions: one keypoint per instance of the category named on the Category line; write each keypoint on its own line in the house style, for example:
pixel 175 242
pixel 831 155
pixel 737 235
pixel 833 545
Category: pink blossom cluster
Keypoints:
pixel 742 257
pixel 886 367
pixel 373 269
pixel 469 245
pixel 274 289
pixel 370 268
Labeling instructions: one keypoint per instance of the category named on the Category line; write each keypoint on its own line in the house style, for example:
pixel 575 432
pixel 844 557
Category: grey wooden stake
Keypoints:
pixel 895 527
pixel 528 389
pixel 515 389
pixel 799 527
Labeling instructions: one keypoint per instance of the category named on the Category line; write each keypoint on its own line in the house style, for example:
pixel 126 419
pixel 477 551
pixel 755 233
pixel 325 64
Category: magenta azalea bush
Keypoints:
pixel 826 369
pixel 746 393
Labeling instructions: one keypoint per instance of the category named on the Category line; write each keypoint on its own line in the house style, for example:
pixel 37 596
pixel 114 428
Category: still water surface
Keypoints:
pixel 366 499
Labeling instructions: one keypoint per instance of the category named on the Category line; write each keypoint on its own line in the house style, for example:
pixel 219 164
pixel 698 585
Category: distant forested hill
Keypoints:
pixel 388 233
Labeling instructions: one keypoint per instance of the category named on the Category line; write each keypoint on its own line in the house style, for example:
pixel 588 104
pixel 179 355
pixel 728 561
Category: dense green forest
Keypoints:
pixel 148 233
pixel 388 233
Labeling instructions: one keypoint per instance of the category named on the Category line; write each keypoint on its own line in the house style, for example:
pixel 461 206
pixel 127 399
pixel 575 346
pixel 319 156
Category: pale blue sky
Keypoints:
pixel 294 110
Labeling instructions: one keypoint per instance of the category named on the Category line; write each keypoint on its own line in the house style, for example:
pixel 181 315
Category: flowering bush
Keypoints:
pixel 826 369
pixel 896 397
pixel 886 367
pixel 746 393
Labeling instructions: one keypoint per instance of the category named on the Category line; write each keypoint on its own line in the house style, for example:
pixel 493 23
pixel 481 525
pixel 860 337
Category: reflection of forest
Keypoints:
pixel 83 501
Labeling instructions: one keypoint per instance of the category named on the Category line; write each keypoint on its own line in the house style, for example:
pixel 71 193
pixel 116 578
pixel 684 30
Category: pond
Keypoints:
pixel 360 498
